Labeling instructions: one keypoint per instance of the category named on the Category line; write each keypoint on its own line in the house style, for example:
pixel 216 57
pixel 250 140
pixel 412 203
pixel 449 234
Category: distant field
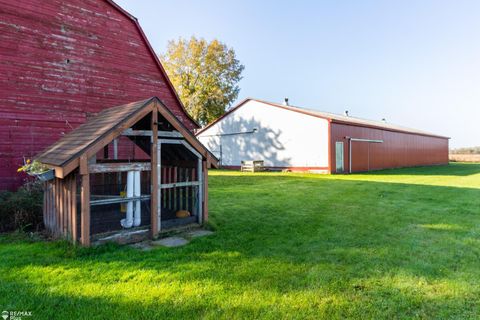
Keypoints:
pixel 465 157
pixel 393 244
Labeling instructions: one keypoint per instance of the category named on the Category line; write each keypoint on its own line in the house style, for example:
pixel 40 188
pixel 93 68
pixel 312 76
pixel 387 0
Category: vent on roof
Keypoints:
pixel 285 102
pixel 346 113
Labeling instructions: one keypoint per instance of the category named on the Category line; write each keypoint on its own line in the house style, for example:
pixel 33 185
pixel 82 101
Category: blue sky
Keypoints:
pixel 415 63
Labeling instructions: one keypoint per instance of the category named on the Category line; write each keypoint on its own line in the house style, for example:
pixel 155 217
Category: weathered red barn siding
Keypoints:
pixel 398 149
pixel 60 61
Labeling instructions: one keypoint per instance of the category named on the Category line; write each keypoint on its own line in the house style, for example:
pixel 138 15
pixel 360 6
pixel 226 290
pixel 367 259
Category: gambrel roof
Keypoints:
pixel 154 56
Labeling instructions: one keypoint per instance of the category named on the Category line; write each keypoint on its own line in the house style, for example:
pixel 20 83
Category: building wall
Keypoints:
pixel 283 138
pixel 397 150
pixel 62 60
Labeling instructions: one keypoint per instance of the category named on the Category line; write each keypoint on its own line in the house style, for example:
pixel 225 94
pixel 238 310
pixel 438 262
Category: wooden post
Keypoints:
pixel 200 190
pixel 155 199
pixel 49 205
pixel 159 183
pixel 45 210
pixel 85 201
pixel 57 208
pixel 61 210
pixel 205 191
pixel 74 209
pixel 66 208
pixel 175 191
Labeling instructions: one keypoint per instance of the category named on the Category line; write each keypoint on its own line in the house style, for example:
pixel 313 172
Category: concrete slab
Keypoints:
pixel 198 233
pixel 171 242
pixel 123 237
pixel 143 246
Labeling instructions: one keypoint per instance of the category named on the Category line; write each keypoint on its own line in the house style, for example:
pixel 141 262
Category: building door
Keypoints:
pixel 360 156
pixel 360 159
pixel 339 156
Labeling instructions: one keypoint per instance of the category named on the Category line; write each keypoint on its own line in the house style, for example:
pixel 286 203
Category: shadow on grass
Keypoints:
pixel 284 246
pixel 362 301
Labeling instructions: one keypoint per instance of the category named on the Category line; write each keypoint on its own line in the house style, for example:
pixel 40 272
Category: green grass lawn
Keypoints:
pixel 392 244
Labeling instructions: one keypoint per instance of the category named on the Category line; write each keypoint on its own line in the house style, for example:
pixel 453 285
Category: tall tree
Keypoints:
pixel 205 75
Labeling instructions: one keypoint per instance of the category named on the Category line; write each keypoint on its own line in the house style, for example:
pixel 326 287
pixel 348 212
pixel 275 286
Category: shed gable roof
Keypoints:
pixel 67 150
pixel 72 144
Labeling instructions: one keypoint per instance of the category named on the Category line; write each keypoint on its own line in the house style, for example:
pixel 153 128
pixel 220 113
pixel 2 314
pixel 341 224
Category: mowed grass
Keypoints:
pixel 396 244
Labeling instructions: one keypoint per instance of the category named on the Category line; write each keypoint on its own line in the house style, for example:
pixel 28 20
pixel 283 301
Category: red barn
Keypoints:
pixel 63 61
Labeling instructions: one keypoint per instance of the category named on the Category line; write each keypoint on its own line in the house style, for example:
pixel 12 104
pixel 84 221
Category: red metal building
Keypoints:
pixel 63 61
pixel 368 146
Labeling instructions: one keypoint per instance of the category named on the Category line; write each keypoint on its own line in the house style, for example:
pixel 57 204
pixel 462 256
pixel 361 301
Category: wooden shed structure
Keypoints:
pixel 132 168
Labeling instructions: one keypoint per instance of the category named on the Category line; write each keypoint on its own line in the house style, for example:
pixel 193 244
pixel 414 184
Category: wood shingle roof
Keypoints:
pixel 103 128
pixel 73 143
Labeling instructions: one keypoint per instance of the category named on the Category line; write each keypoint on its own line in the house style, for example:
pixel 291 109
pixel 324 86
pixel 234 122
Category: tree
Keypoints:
pixel 205 75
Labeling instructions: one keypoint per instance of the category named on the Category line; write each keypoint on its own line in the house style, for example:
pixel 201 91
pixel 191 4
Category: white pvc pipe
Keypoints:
pixel 138 206
pixel 128 221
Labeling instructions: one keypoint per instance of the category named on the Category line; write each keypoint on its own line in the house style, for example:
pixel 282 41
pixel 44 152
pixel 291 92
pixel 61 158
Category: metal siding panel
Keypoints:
pixel 397 150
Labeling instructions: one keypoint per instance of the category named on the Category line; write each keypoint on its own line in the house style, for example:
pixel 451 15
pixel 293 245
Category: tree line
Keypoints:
pixel 470 150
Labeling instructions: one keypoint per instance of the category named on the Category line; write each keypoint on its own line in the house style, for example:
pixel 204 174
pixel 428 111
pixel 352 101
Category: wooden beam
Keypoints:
pixel 101 161
pixel 62 172
pixel 171 141
pixel 192 150
pixel 155 199
pixel 205 191
pixel 149 133
pixel 119 167
pixel 170 134
pixel 182 142
pixel 58 172
pixel 85 201
pixel 115 199
pixel 179 184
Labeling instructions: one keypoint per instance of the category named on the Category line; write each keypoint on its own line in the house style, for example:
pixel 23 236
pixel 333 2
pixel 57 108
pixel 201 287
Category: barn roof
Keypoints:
pixel 103 128
pixel 153 54
pixel 332 117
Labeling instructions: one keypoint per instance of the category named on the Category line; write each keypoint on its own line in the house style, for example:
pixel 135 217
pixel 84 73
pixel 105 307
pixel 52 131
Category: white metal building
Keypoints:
pixel 255 130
